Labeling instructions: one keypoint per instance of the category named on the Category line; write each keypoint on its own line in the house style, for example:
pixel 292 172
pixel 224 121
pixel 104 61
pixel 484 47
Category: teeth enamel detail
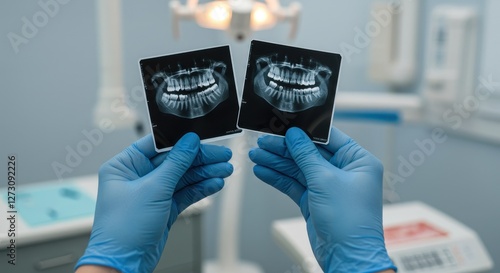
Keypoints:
pixel 191 92
pixel 291 87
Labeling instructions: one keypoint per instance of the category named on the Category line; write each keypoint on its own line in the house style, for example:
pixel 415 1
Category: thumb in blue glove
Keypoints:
pixel 338 188
pixel 140 195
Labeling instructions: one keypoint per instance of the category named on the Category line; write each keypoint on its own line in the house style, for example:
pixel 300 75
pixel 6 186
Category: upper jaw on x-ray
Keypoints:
pixel 291 86
pixel 191 92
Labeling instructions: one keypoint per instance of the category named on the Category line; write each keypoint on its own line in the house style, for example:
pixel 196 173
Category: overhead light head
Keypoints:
pixel 238 17
pixel 261 17
pixel 216 15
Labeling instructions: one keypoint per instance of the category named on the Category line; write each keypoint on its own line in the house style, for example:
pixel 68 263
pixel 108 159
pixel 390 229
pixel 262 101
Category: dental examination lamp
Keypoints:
pixel 238 17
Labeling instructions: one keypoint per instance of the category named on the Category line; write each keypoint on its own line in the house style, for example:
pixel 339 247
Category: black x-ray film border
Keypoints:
pixel 206 140
pixel 278 135
pixel 334 99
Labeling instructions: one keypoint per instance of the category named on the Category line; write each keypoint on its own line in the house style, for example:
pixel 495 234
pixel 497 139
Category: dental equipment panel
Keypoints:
pixel 419 239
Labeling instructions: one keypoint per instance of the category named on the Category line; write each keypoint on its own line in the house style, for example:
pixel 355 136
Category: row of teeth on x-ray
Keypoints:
pixel 295 94
pixel 292 76
pixel 190 82
pixel 191 100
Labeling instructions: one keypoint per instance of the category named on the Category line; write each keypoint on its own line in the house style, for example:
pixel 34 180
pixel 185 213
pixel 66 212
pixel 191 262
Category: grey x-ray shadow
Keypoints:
pixel 291 86
pixel 191 92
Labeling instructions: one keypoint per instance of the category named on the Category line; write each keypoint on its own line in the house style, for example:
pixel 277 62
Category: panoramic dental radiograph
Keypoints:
pixel 191 91
pixel 291 84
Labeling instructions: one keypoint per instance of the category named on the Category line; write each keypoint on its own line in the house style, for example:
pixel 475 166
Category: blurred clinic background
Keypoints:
pixel 411 70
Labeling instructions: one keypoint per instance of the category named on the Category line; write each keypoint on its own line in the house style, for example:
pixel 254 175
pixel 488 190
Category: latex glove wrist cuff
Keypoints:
pixel 124 263
pixel 367 258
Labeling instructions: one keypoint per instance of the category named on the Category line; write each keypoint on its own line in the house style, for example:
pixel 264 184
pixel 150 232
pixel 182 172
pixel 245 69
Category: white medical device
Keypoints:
pixel 393 35
pixel 419 239
pixel 451 55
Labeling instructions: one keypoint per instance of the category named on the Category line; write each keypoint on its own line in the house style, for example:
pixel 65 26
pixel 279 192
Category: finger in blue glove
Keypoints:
pixel 139 199
pixel 341 199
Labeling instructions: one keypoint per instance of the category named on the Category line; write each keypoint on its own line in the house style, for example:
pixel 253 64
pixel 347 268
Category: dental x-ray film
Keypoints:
pixel 191 92
pixel 289 87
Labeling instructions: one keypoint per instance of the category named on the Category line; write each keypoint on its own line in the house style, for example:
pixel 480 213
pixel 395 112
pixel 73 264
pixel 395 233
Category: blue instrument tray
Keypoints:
pixel 52 204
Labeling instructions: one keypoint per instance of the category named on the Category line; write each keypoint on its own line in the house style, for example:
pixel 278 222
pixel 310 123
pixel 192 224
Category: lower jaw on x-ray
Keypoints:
pixel 191 92
pixel 291 87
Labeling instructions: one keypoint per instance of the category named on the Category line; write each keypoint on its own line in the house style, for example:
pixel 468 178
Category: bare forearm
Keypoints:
pixel 388 271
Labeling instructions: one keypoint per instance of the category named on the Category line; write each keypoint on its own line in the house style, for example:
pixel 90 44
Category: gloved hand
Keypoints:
pixel 140 195
pixel 338 188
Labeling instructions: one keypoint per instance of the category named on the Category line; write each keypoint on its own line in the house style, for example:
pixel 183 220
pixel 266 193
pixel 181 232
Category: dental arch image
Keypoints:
pixel 191 91
pixel 291 85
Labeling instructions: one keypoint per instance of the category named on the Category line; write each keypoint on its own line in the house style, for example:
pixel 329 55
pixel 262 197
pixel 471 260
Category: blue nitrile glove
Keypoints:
pixel 140 195
pixel 338 188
